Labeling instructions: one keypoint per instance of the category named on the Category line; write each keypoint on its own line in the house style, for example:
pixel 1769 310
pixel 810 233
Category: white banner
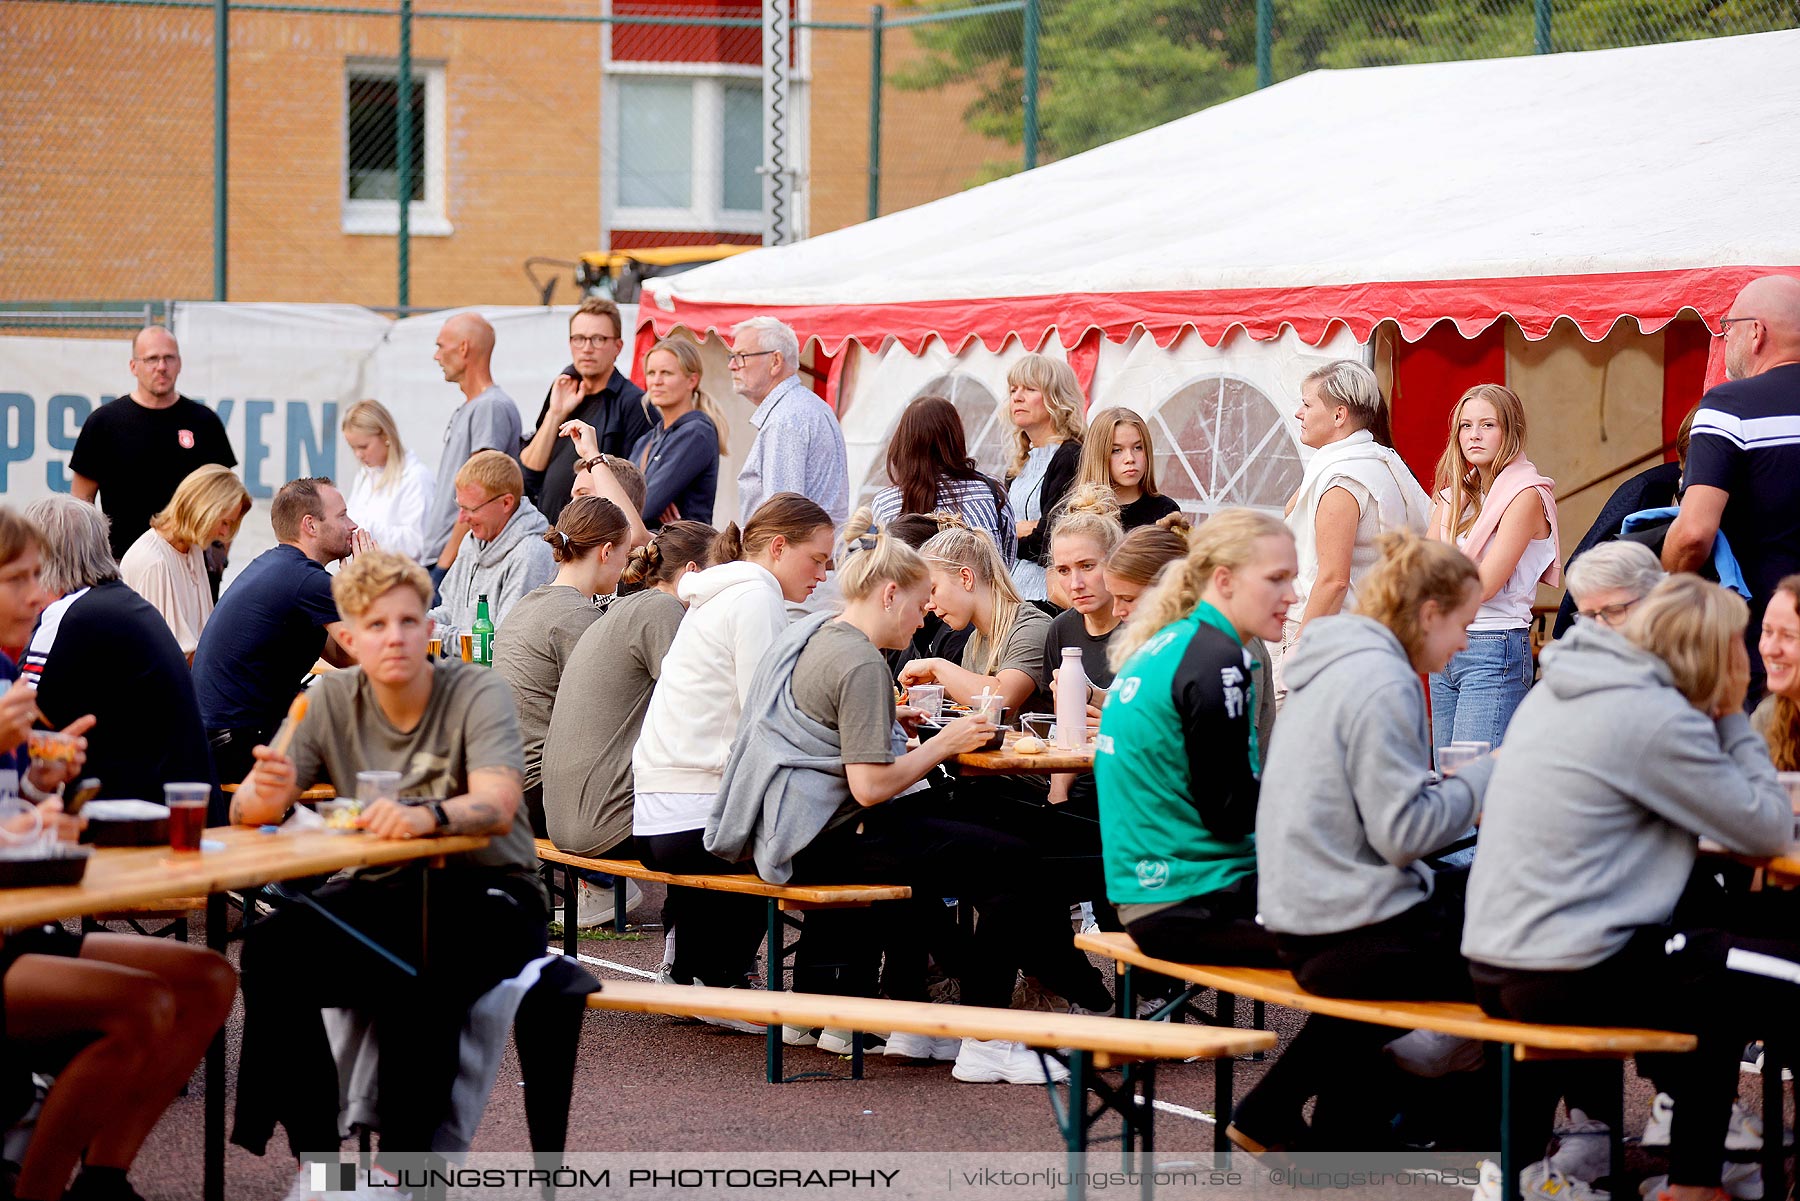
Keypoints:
pixel 280 377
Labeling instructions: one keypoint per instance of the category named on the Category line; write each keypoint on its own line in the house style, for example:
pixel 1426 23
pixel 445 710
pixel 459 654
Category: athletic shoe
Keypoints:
pixel 1028 993
pixel 665 973
pixel 1742 1181
pixel 800 1036
pixel 737 1024
pixel 1753 1063
pixel 1744 1134
pixel 1581 1150
pixel 837 1042
pixel 922 1046
pixel 595 906
pixel 1538 1182
pixel 1431 1054
pixel 989 1061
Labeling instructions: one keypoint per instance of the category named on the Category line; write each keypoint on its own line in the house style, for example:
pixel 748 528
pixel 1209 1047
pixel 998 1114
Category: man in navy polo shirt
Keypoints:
pixel 1743 472
pixel 275 620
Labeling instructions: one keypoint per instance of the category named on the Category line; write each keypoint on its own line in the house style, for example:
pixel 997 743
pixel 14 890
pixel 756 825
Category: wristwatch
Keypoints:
pixel 588 464
pixel 440 814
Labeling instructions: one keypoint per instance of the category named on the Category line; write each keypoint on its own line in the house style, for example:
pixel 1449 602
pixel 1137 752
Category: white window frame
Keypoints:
pixel 430 217
pixel 706 213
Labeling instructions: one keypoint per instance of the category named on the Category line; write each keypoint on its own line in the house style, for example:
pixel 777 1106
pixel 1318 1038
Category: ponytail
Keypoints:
pixel 586 524
pixel 784 515
pixel 872 557
pixel 1411 571
pixel 669 551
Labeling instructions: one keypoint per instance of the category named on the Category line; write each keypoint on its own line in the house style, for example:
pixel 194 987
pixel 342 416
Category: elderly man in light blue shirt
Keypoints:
pixel 799 446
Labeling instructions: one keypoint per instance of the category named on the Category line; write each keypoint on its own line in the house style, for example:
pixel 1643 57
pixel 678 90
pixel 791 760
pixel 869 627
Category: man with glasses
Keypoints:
pixel 591 390
pixel 1743 474
pixel 799 445
pixel 488 419
pixel 133 451
pixel 505 555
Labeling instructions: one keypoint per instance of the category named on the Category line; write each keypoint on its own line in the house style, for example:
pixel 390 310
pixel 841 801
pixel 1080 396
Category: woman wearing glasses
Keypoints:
pixel 1606 582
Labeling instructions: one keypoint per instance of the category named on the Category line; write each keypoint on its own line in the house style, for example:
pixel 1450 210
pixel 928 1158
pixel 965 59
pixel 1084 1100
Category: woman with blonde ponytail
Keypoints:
pixel 970 586
pixel 599 707
pixel 1350 810
pixel 679 457
pixel 820 730
pixel 541 629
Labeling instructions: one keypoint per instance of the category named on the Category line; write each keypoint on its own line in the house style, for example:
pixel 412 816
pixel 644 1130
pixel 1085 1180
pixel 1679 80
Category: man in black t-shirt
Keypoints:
pixel 590 389
pixel 1743 467
pixel 133 451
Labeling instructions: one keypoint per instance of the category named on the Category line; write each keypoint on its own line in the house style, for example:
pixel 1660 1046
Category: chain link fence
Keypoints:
pixel 527 132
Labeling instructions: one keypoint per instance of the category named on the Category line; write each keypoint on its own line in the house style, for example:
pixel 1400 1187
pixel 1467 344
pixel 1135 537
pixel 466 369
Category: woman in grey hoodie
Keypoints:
pixel 1349 809
pixel 1584 907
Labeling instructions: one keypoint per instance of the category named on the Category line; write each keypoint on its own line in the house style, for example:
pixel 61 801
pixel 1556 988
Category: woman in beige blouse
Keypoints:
pixel 167 565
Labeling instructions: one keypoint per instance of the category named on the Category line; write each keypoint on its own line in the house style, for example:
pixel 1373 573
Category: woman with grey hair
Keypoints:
pixel 1609 579
pixel 1356 488
pixel 101 648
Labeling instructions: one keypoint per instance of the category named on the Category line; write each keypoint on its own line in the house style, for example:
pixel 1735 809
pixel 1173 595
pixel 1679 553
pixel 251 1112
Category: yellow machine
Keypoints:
pixel 620 274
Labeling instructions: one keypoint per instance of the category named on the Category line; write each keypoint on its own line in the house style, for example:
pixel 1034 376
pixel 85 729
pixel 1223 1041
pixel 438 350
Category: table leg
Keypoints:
pixel 214 1155
pixel 772 1039
pixel 1224 1015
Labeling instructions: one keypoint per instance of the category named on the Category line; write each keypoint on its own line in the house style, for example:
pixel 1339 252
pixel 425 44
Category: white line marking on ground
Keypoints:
pixel 617 967
pixel 1183 1111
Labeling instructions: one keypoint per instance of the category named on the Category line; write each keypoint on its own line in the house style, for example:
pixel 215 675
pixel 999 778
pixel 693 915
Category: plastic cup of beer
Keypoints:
pixel 1790 780
pixel 927 699
pixel 434 647
pixel 373 786
pixel 187 814
pixel 468 647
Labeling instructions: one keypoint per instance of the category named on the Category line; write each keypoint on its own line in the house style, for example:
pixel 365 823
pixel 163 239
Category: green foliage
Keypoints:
pixel 1110 68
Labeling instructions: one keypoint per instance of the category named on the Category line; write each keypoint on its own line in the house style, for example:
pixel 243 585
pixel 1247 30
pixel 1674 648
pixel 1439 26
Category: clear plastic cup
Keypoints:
pixel 372 786
pixel 927 699
pixel 1790 780
pixel 21 825
pixel 1458 755
pixel 187 813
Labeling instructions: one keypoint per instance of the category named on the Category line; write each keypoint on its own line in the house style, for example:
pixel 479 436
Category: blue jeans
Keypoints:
pixel 1473 699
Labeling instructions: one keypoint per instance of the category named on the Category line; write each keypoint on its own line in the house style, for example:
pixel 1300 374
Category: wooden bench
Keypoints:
pixel 782 899
pixel 1086 1045
pixel 1519 1041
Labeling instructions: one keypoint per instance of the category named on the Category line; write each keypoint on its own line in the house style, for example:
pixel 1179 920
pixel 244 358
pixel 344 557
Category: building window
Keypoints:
pixel 685 148
pixel 372 150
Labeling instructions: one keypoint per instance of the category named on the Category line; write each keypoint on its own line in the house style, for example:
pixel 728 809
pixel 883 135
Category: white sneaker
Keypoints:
pixel 1745 1133
pixel 302 1188
pixel 595 905
pixel 800 1036
pixel 989 1061
pixel 665 973
pixel 1753 1063
pixel 1538 1182
pixel 837 1042
pixel 737 1024
pixel 922 1046
pixel 1581 1150
pixel 1431 1054
pixel 1740 1180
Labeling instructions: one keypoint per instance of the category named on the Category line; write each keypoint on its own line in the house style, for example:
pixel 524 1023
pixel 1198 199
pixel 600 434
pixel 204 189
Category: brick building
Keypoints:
pixel 535 137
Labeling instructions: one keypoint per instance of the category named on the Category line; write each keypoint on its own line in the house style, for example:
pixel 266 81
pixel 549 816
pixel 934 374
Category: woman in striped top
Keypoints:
pixel 929 464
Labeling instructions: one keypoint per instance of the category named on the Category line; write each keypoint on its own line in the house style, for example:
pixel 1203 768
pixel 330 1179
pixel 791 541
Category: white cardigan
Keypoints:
pixel 394 517
pixel 1387 483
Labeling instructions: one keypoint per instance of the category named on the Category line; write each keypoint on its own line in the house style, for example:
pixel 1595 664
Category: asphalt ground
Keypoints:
pixel 646 1083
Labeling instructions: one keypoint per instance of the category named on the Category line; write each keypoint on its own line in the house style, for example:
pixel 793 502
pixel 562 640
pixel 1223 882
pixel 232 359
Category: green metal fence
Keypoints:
pixel 131 163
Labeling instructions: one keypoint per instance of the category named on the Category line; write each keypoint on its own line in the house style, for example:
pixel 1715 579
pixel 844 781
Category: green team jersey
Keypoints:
pixel 1176 765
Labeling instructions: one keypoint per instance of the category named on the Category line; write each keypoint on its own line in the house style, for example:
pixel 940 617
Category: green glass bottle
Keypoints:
pixel 482 634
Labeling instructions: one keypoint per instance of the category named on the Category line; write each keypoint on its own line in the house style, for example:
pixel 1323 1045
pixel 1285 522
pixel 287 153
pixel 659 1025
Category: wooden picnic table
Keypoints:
pixel 1008 762
pixel 122 877
pixel 1781 871
pixel 318 792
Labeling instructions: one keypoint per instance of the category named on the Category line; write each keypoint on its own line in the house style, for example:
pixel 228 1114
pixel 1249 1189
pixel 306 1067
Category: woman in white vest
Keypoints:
pixel 1356 488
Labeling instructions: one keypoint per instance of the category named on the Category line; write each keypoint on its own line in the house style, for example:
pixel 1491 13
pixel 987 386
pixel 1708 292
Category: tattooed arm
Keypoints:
pixel 487 808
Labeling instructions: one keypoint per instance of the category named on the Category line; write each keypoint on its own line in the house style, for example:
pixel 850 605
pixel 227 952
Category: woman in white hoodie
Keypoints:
pixel 736 609
pixel 1356 488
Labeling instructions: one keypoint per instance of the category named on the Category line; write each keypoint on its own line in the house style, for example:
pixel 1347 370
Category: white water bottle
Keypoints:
pixel 1071 700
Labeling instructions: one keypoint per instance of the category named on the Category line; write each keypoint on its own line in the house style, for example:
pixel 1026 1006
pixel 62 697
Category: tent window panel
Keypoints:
pixel 1224 443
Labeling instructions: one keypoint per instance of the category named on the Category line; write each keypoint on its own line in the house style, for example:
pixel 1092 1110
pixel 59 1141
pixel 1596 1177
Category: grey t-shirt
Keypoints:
pixel 488 421
pixel 599 709
pixel 531 649
pixel 1023 651
pixel 842 681
pixel 468 725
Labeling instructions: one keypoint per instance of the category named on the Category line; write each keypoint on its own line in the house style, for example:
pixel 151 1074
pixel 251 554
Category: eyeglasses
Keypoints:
pixel 466 511
pixel 1606 615
pixel 1725 323
pixel 592 341
pixel 158 360
pixel 740 357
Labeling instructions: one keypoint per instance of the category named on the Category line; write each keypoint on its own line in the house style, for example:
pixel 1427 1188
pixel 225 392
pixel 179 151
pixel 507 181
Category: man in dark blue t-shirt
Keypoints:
pixel 1743 472
pixel 271 624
